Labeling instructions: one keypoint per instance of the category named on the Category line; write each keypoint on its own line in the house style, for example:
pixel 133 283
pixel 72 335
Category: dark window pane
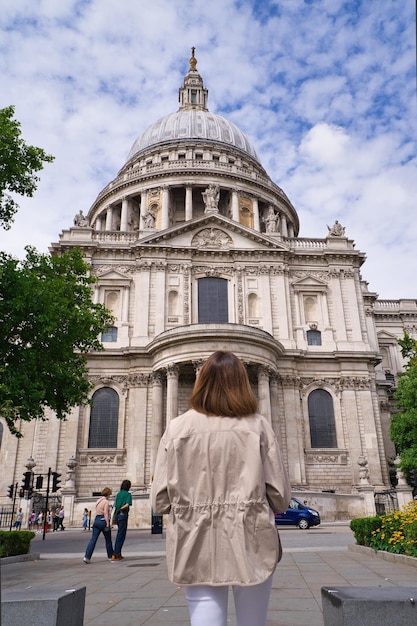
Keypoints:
pixel 104 419
pixel 314 338
pixel 110 334
pixel 321 415
pixel 212 301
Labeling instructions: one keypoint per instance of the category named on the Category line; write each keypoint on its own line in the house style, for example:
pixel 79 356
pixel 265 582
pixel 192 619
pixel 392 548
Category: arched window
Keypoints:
pixel 212 301
pixel 321 416
pixel 253 305
pixel 112 302
pixel 173 303
pixel 313 338
pixel 104 418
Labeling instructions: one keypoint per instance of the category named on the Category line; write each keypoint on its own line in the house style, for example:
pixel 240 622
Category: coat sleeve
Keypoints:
pixel 278 487
pixel 160 502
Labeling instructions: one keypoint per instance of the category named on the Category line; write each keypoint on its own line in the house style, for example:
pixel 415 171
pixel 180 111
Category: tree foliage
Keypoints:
pixel 19 164
pixel 48 323
pixel 404 423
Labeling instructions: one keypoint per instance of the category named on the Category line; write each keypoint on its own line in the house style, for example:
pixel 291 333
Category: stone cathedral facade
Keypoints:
pixel 196 249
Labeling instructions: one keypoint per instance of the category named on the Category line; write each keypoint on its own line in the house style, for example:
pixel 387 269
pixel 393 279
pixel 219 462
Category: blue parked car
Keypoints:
pixel 299 514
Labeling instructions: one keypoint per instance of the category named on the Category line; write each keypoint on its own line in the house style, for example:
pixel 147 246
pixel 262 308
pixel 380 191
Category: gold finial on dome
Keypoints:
pixel 193 61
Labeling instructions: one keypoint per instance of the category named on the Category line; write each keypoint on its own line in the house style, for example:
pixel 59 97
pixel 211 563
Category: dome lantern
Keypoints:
pixel 193 95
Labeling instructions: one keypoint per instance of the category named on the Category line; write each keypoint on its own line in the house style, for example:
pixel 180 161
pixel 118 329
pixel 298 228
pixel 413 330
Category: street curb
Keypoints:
pixel 399 559
pixel 21 558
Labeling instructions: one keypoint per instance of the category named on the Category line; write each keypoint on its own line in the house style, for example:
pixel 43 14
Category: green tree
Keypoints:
pixel 404 422
pixel 19 164
pixel 48 323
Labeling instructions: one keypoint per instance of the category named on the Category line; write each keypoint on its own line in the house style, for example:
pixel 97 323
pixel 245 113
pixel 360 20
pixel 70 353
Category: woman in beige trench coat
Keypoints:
pixel 219 476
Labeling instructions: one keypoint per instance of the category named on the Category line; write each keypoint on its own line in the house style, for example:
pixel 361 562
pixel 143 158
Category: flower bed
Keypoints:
pixel 395 532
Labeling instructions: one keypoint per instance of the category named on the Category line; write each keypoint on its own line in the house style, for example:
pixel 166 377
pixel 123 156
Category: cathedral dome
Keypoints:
pixel 193 123
pixel 193 120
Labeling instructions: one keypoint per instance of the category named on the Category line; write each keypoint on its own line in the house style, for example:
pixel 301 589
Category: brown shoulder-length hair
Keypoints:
pixel 222 387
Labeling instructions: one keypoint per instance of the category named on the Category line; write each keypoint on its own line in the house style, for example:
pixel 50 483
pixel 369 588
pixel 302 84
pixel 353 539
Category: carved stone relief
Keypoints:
pixel 212 238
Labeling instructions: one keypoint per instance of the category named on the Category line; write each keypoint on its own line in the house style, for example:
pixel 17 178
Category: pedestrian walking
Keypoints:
pixel 122 504
pixel 101 524
pixel 18 520
pixel 31 520
pixel 39 521
pixel 219 475
pixel 55 520
pixel 61 516
pixel 85 519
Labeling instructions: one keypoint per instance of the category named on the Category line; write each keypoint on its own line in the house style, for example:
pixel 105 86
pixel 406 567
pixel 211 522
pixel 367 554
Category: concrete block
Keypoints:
pixel 53 606
pixel 369 606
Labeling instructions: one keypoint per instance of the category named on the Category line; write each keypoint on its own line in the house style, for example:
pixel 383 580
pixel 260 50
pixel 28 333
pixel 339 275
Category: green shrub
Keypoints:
pixel 15 542
pixel 396 532
pixel 363 527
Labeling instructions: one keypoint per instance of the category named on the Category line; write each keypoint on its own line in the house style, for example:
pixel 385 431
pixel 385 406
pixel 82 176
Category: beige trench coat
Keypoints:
pixel 220 479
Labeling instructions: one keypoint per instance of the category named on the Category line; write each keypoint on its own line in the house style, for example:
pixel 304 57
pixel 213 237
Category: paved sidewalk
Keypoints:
pixel 136 590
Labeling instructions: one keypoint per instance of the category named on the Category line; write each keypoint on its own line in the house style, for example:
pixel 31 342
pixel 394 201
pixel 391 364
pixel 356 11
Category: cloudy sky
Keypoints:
pixel 325 90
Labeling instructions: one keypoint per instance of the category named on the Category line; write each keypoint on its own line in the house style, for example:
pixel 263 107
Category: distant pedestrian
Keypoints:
pixel 31 520
pixel 61 516
pixel 39 521
pixel 122 504
pixel 101 524
pixel 85 519
pixel 50 520
pixel 55 520
pixel 19 519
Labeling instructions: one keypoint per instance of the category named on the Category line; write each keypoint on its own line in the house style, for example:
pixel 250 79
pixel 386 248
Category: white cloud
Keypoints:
pixel 325 90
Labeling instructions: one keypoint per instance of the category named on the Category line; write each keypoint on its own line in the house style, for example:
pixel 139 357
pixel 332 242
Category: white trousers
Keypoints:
pixel 208 604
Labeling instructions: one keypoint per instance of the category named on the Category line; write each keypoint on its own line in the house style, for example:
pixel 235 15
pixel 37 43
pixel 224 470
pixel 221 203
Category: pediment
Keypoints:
pixel 309 283
pixel 107 274
pixel 387 336
pixel 212 232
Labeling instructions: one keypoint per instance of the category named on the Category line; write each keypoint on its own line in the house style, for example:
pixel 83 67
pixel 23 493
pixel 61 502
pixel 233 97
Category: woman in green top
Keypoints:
pixel 122 504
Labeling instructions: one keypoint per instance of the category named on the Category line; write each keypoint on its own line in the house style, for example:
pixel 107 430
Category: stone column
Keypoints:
pixel 69 492
pixel 256 221
pixel 368 494
pixel 124 214
pixel 293 422
pixel 235 206
pixel 109 218
pixel 143 198
pixel 290 229
pixel 173 372
pixel 273 386
pixel 165 207
pixel 157 416
pixel 404 491
pixel 284 229
pixel 188 203
pixel 137 419
pixel 99 224
pixel 264 397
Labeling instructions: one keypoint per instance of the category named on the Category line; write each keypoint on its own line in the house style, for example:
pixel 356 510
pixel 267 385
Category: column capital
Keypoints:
pixel 197 365
pixel 173 370
pixel 156 377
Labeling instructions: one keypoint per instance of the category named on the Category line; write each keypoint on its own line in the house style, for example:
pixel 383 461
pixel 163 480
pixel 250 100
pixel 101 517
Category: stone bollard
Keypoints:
pixel 54 606
pixel 369 606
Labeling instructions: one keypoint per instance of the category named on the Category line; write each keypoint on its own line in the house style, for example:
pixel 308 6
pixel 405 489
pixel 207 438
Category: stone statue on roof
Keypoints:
pixel 337 230
pixel 80 220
